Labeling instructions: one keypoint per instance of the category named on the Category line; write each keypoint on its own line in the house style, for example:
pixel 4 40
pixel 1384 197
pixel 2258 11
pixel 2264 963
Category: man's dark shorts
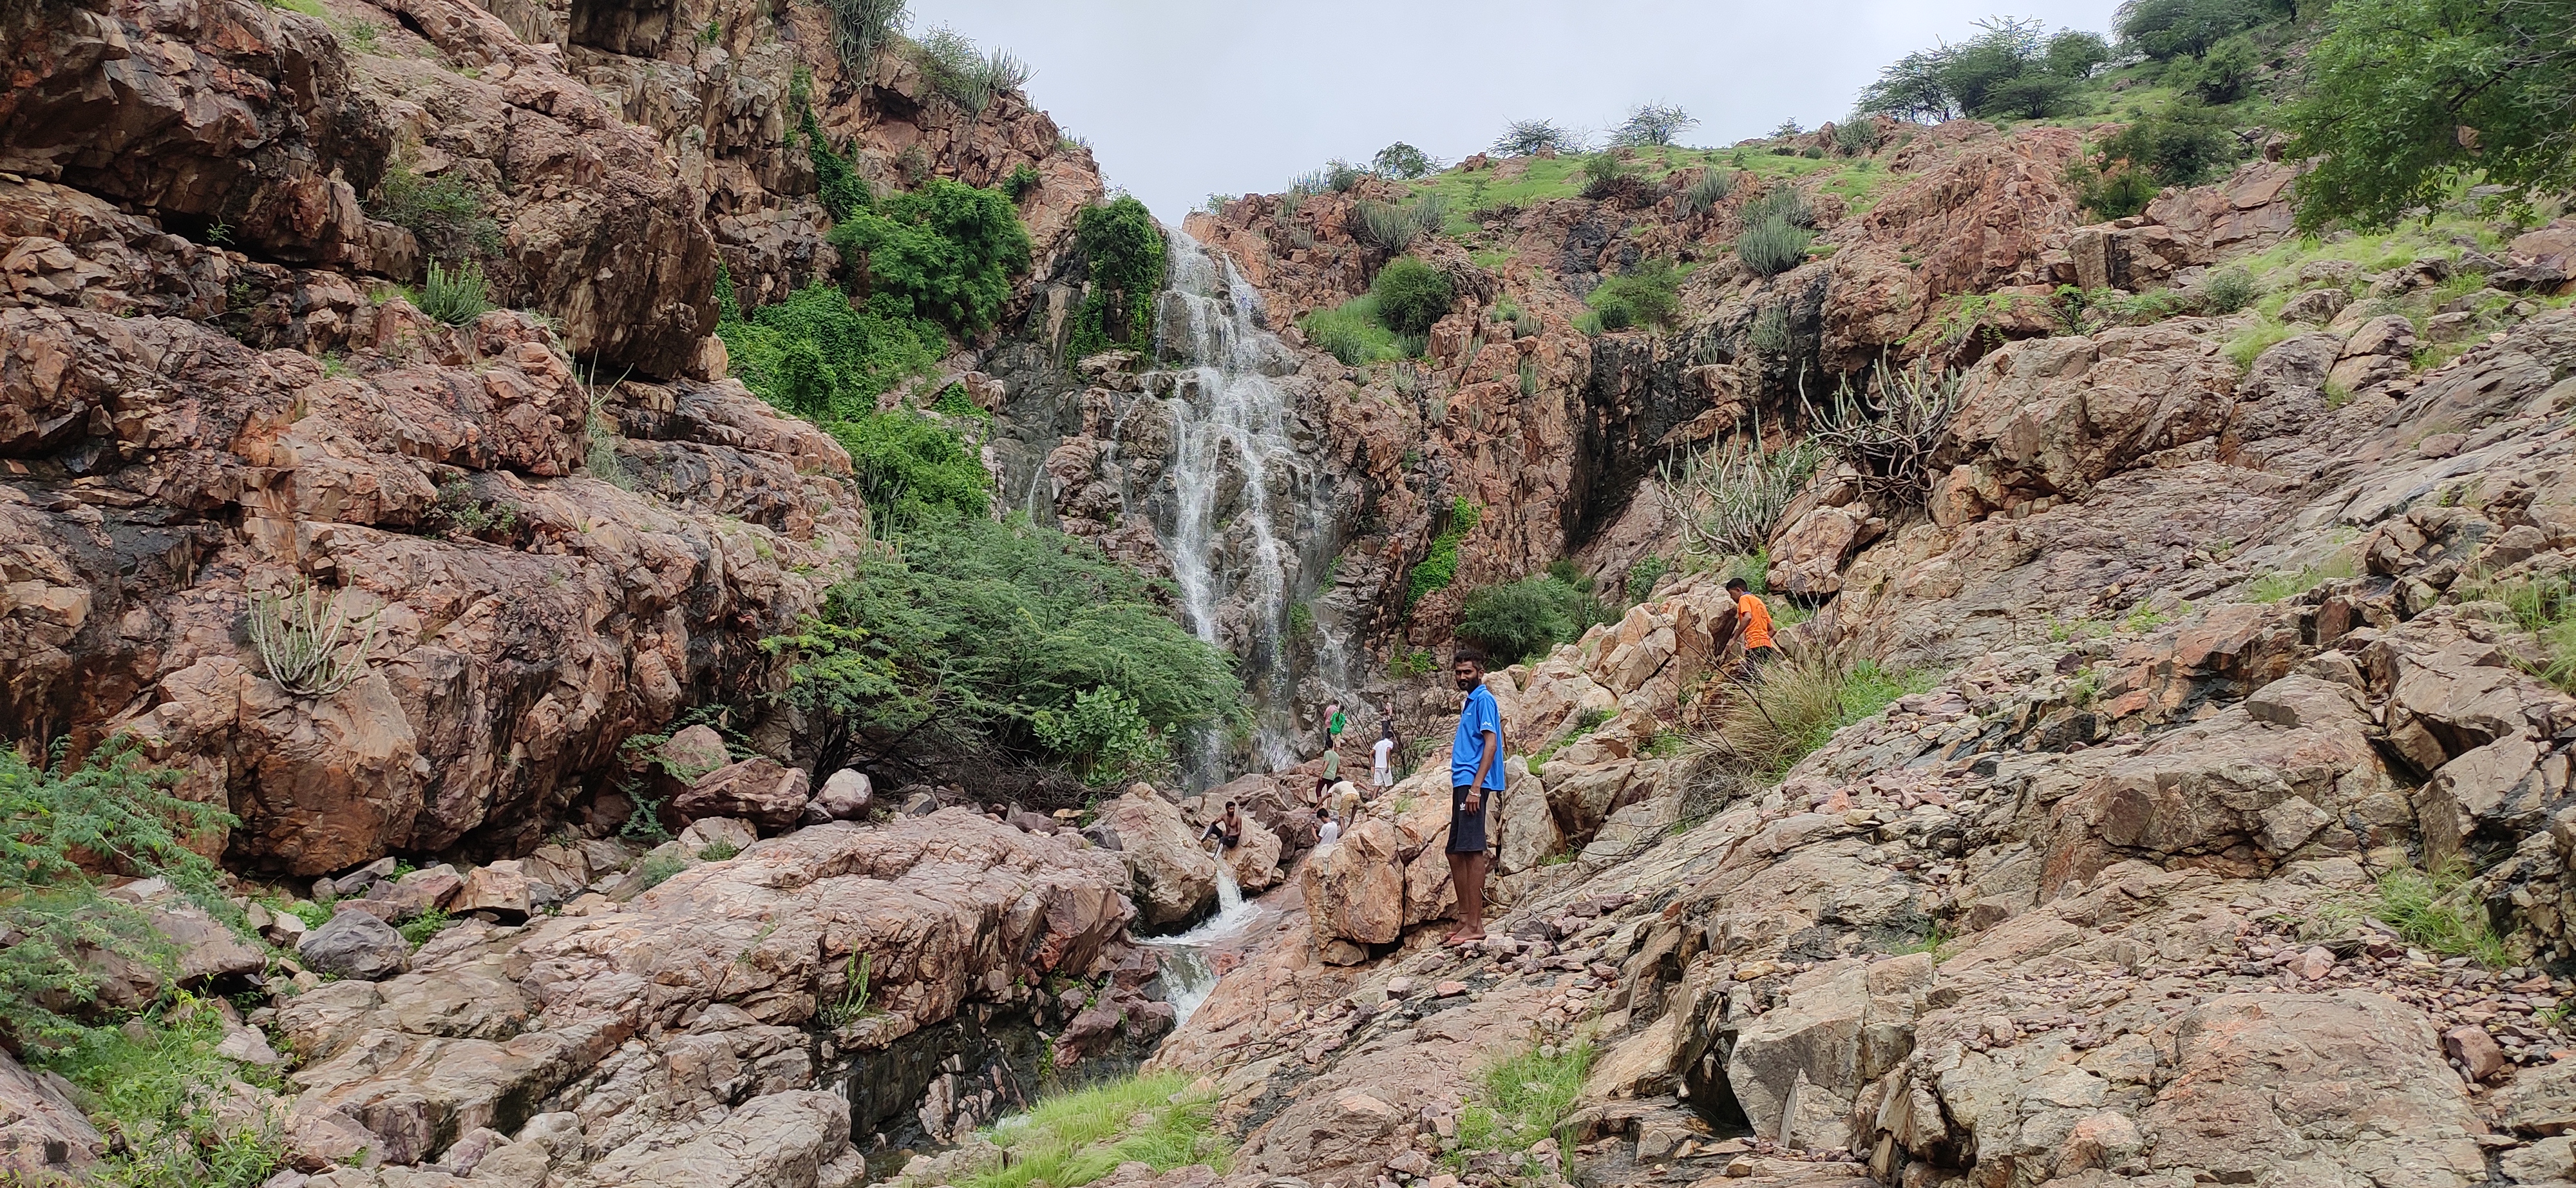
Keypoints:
pixel 1758 657
pixel 1466 829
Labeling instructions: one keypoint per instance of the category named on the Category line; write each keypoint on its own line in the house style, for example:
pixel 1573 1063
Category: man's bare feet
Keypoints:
pixel 1463 939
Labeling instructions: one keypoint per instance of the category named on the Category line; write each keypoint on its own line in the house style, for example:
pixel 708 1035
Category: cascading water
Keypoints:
pixel 1188 975
pixel 1243 515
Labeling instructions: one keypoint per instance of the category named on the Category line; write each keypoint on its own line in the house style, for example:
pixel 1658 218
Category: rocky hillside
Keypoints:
pixel 2212 839
pixel 560 524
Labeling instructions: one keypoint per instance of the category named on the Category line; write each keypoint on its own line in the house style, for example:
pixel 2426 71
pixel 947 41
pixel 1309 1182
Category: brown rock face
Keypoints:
pixel 565 625
pixel 956 914
pixel 757 790
pixel 203 113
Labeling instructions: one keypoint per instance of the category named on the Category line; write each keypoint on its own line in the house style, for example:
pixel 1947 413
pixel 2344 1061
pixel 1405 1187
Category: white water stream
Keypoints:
pixel 1188 975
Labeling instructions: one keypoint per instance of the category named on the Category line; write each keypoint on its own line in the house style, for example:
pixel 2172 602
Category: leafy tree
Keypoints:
pixel 2405 97
pixel 112 812
pixel 980 626
pixel 1123 249
pixel 2170 29
pixel 1979 69
pixel 1912 89
pixel 2074 53
pixel 1523 138
pixel 945 252
pixel 1401 160
pixel 1411 295
pixel 1653 124
pixel 2223 75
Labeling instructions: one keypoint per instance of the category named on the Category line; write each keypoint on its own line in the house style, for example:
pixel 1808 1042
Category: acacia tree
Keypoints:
pixel 2407 97
pixel 1653 124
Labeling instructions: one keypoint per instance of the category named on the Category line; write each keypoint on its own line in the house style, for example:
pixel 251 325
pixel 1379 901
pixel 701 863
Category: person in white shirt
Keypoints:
pixel 1330 832
pixel 1383 774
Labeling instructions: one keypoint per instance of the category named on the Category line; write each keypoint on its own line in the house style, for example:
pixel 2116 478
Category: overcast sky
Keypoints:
pixel 1184 98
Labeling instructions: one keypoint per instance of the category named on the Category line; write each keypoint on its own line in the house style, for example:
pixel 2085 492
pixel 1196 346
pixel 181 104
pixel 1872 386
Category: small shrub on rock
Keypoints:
pixel 455 295
pixel 1646 295
pixel 1772 246
pixel 1519 620
pixel 1411 295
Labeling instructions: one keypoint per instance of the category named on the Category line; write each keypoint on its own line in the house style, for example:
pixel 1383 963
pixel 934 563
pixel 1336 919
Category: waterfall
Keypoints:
pixel 1188 975
pixel 1244 515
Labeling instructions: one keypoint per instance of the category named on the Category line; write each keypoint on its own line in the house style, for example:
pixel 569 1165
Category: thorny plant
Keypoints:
pixel 1888 439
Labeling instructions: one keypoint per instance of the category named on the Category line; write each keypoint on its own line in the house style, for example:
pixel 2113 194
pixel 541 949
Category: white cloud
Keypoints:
pixel 1182 98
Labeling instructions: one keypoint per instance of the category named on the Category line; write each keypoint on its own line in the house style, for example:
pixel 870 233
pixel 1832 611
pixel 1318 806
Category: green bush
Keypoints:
pixel 1386 228
pixel 1522 1101
pixel 157 1087
pixel 1124 253
pixel 863 351
pixel 1022 182
pixel 2184 146
pixel 1520 620
pixel 1104 735
pixel 1784 202
pixel 1411 295
pixel 837 183
pixel 913 469
pixel 2228 290
pixel 1645 295
pixel 945 252
pixel 1353 332
pixel 445 213
pixel 965 76
pixel 2122 191
pixel 1643 573
pixel 977 627
pixel 1439 564
pixel 1403 162
pixel 1856 135
pixel 2225 74
pixel 111 810
pixel 1772 246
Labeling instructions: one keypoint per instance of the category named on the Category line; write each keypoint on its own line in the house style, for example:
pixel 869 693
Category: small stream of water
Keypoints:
pixel 1188 974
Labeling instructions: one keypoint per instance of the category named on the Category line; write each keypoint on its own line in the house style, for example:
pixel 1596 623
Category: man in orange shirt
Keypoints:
pixel 1752 625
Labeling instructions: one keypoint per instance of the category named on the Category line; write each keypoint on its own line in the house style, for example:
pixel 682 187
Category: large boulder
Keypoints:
pixel 1175 878
pixel 1255 863
pixel 760 790
pixel 2047 419
pixel 355 944
pixel 846 796
pixel 1354 889
pixel 705 987
pixel 42 1134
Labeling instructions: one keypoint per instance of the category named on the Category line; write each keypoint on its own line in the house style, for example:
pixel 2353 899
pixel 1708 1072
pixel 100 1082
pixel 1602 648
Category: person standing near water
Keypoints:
pixel 1382 772
pixel 1475 770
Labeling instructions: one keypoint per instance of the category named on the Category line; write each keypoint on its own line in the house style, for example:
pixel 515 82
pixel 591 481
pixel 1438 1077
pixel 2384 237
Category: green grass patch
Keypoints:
pixel 2546 607
pixel 1353 332
pixel 1794 705
pixel 1522 1100
pixel 2437 913
pixel 153 1087
pixel 420 928
pixel 2247 345
pixel 1072 1139
pixel 1439 566
pixel 2275 586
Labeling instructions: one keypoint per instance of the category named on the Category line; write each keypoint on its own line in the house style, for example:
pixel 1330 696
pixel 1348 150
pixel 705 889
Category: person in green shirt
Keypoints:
pixel 1335 722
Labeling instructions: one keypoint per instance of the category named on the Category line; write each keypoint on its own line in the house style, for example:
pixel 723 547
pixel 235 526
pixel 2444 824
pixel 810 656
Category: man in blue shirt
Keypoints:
pixel 1475 772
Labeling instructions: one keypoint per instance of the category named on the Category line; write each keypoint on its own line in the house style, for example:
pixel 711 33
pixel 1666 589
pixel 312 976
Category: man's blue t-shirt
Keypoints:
pixel 1479 716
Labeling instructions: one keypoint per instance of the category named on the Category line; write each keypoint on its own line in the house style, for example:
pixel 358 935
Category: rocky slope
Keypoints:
pixel 2119 897
pixel 561 526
